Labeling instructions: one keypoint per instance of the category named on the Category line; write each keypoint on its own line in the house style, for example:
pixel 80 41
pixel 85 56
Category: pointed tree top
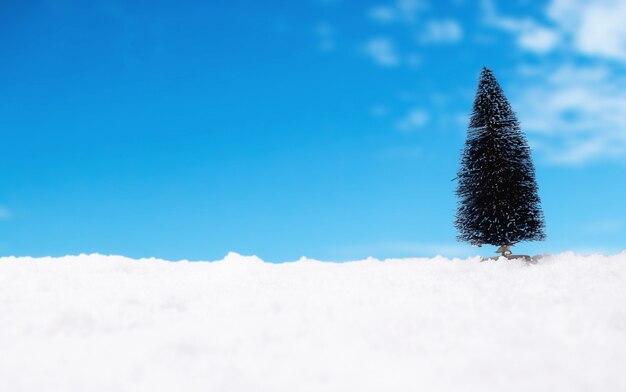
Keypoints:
pixel 486 74
pixel 490 105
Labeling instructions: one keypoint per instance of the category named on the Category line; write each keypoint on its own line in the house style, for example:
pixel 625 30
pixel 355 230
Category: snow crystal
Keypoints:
pixel 109 323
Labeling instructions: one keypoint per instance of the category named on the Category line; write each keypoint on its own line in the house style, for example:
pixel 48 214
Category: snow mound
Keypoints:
pixel 110 323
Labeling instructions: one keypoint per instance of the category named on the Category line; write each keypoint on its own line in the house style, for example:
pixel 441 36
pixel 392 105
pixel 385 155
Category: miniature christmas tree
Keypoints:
pixel 498 200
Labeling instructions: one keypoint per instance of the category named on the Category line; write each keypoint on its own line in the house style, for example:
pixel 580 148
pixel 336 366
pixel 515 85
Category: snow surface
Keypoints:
pixel 109 323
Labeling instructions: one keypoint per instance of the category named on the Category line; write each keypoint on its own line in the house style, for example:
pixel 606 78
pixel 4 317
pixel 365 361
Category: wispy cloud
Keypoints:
pixel 530 34
pixel 594 28
pixel 575 113
pixel 591 28
pixel 571 102
pixel 441 31
pixel 411 15
pixel 382 51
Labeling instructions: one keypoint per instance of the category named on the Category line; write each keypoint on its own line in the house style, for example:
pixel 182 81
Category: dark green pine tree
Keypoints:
pixel 498 200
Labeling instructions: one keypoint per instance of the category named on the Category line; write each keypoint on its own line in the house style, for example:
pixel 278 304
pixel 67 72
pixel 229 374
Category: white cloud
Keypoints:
pixel 596 28
pixel 538 39
pixel 415 119
pixel 383 52
pixel 442 31
pixel 575 114
pixel 592 28
pixel 530 35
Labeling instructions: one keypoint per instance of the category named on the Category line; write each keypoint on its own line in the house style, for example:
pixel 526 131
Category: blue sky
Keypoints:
pixel 328 128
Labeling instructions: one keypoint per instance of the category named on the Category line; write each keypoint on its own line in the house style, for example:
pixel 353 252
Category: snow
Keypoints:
pixel 109 323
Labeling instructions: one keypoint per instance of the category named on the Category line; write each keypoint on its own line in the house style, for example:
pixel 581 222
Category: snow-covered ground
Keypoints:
pixel 107 323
